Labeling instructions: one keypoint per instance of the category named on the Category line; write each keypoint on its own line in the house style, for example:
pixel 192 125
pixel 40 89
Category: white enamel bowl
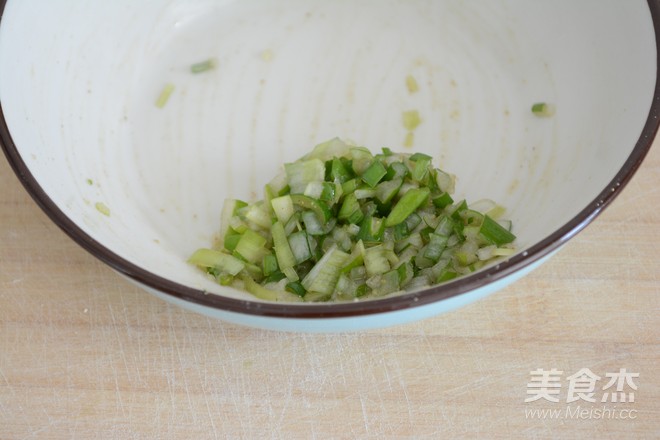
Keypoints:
pixel 79 80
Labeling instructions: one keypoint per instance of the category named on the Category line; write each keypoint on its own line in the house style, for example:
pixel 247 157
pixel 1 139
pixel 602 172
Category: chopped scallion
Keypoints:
pixel 374 173
pixel 543 109
pixel 165 94
pixel 410 201
pixel 344 224
pixel 493 232
pixel 102 208
pixel 203 66
pixel 251 246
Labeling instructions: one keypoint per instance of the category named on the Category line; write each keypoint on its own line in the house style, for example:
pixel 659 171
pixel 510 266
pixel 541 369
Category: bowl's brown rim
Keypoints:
pixel 337 310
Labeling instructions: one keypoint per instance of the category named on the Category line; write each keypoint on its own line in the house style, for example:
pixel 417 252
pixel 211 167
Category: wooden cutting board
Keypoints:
pixel 84 354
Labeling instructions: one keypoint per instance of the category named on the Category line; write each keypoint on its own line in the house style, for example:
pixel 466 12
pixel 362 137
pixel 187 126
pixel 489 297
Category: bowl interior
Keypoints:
pixel 79 80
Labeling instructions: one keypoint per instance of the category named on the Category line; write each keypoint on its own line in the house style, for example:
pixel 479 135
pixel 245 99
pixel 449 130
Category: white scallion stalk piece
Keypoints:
pixel 300 174
pixel 257 215
pixel 283 208
pixel 503 252
pixel 285 258
pixel 210 258
pixel 375 260
pixel 165 94
pixel 324 275
pixel 327 150
pixel 314 189
pixel 228 217
pixel 251 246
pixel 483 206
pixel 301 246
pixel 261 292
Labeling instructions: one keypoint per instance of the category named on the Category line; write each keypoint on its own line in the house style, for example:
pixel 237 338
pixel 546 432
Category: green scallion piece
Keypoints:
pixel 296 288
pixel 494 233
pixel 329 192
pixel 446 275
pixel 410 201
pixel 436 244
pixel 374 173
pixel 442 201
pixel 458 210
pixel 203 66
pixel 371 229
pixel 420 169
pixel 543 109
pixel 396 169
pixel 406 272
pixel 319 208
pixel 420 156
pixel 350 186
pixel 350 210
pixel 385 191
pixel 231 240
pixel 339 172
pixel 269 264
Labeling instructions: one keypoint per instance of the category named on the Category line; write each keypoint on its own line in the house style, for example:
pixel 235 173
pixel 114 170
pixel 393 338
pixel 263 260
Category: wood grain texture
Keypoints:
pixel 84 354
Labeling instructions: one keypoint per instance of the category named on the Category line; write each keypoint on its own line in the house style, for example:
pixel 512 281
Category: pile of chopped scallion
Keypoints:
pixel 343 224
